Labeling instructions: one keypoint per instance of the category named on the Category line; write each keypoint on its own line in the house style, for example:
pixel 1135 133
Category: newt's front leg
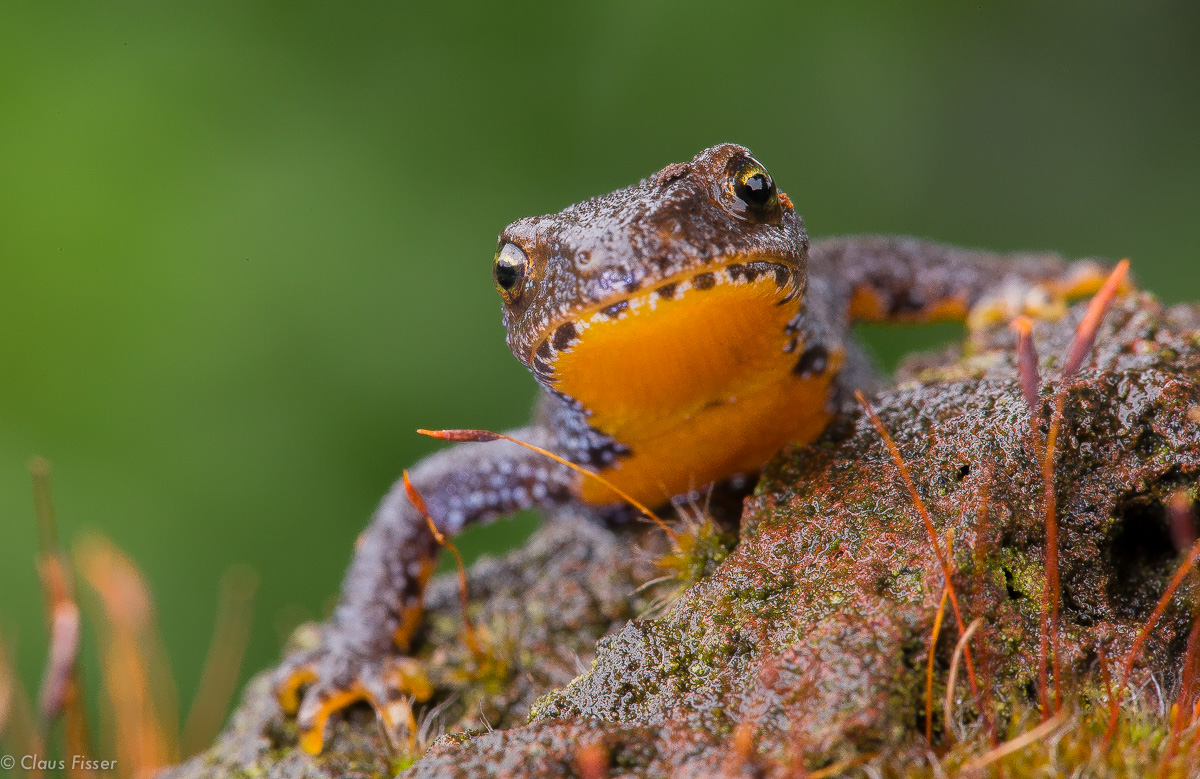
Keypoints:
pixel 381 602
pixel 897 279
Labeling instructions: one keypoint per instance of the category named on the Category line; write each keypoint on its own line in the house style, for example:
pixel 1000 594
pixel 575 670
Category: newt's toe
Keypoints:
pixel 316 685
pixel 1045 301
pixel 320 703
pixel 1014 299
pixel 287 690
pixel 1084 279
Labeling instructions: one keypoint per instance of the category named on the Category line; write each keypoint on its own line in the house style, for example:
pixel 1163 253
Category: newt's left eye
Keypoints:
pixel 747 191
pixel 509 271
pixel 755 188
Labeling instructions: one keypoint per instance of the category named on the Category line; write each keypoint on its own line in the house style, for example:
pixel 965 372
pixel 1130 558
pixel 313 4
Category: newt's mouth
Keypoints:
pixel 677 315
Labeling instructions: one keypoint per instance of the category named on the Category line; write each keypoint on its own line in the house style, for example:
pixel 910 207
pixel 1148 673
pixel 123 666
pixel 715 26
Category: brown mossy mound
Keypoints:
pixel 807 645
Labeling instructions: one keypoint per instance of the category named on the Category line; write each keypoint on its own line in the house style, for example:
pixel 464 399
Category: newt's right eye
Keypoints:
pixel 509 271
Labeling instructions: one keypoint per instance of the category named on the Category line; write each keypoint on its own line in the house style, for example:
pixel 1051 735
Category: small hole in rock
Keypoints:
pixel 1009 579
pixel 1142 555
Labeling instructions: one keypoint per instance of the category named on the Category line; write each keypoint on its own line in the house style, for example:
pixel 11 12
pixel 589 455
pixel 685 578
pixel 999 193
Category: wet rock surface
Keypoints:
pixel 808 643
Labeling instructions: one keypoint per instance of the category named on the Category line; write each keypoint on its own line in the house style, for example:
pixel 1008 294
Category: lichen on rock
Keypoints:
pixel 806 646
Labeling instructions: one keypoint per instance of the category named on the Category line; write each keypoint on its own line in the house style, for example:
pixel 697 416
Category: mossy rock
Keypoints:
pixel 806 646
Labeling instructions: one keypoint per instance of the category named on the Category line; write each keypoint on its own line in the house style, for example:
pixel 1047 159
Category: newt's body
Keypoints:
pixel 684 330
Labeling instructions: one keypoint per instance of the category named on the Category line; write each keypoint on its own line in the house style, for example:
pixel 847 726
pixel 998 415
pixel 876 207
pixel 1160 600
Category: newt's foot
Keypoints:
pixel 317 683
pixel 1046 300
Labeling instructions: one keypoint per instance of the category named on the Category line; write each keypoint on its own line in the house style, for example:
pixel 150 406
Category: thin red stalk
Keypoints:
pixel 740 756
pixel 592 761
pixel 1085 334
pixel 1181 521
pixel 1183 531
pixel 1189 683
pixel 1081 346
pixel 933 639
pixel 1044 662
pixel 1027 370
pixel 463 435
pixel 1194 749
pixel 981 548
pixel 947 572
pixel 1027 363
pixel 1136 649
pixel 1053 591
pixel 469 634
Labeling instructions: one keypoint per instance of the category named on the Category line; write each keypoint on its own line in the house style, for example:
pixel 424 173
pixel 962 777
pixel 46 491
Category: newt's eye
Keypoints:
pixel 509 271
pixel 754 191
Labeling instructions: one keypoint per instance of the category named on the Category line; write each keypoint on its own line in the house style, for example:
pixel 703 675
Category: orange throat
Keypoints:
pixel 698 378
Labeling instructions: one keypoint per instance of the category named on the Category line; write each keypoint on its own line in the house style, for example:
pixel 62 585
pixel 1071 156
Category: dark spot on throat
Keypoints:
pixel 541 360
pixel 564 335
pixel 667 290
pixel 704 280
pixel 756 269
pixel 613 311
pixel 813 362
pixel 907 301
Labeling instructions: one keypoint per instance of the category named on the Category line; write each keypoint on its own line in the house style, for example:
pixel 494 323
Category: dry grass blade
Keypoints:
pixel 840 767
pixel 487 435
pixel 943 561
pixel 58 682
pixel 1136 649
pixel 223 662
pixel 145 724
pixel 960 650
pixel 7 686
pixel 18 727
pixel 10 707
pixel 62 687
pixel 469 634
pixel 1031 736
pixel 1172 748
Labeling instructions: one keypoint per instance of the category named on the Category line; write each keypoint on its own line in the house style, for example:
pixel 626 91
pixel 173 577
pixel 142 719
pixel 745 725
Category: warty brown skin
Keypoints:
pixel 679 223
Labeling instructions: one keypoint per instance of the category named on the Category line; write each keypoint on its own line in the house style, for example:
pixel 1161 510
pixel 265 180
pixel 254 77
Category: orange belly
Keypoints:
pixel 699 386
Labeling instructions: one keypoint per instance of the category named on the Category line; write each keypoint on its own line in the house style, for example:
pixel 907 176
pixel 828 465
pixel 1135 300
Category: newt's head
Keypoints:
pixel 652 272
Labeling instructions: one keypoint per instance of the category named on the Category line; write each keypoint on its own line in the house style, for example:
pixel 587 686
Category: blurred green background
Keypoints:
pixel 245 247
